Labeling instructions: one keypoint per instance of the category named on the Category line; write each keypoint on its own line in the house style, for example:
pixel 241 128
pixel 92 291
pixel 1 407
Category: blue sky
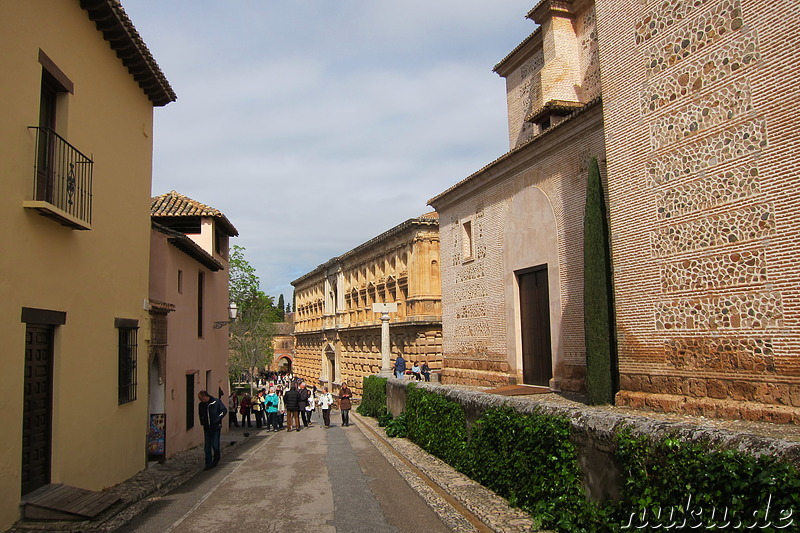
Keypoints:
pixel 315 125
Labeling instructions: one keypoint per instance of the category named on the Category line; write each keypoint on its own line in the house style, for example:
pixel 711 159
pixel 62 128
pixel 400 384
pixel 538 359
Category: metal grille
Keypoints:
pixel 63 175
pixel 127 365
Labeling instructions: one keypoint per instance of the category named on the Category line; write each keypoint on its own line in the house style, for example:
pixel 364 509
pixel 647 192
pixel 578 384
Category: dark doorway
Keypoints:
pixel 37 407
pixel 534 303
pixel 189 401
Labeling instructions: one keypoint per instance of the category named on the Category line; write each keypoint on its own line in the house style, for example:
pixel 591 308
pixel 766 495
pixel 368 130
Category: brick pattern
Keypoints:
pixel 700 115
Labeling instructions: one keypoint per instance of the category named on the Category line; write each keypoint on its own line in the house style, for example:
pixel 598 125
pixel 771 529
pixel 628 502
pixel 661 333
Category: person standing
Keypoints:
pixel 292 402
pixel 258 408
pixel 305 394
pixel 281 407
pixel 244 409
pixel 311 406
pixel 345 404
pixel 399 366
pixel 233 407
pixel 271 402
pixel 211 412
pixel 325 403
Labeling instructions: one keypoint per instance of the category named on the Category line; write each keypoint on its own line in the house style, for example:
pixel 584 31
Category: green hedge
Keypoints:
pixel 662 474
pixel 436 424
pixel 373 397
pixel 531 461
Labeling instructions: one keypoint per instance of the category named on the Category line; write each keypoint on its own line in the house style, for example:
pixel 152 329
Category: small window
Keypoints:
pixel 180 281
pixel 201 278
pixel 127 359
pixel 466 240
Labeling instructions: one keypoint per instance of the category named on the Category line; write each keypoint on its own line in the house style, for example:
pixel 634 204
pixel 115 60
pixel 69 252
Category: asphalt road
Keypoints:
pixel 316 480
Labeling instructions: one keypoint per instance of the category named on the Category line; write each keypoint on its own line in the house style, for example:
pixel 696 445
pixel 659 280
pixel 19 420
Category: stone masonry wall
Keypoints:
pixel 701 110
pixel 593 430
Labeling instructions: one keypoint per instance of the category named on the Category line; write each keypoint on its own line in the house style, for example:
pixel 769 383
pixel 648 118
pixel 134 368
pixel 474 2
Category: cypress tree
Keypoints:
pixel 281 311
pixel 597 298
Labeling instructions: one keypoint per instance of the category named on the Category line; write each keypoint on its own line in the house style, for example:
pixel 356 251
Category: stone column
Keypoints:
pixel 386 345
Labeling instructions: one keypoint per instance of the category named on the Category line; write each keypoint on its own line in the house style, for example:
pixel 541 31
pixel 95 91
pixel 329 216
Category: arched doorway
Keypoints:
pixel 284 364
pixel 329 364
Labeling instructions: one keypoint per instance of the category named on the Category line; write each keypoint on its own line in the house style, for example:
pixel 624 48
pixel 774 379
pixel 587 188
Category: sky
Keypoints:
pixel 316 125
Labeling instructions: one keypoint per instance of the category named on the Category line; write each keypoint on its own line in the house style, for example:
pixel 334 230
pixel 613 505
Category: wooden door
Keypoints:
pixel 37 407
pixel 537 364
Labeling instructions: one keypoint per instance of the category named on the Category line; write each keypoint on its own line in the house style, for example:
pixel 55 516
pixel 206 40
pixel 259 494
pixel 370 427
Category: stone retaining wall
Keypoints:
pixel 593 430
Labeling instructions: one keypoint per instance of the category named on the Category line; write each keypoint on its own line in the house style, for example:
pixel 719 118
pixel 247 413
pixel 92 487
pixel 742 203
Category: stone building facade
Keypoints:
pixel 701 110
pixel 337 335
pixel 512 233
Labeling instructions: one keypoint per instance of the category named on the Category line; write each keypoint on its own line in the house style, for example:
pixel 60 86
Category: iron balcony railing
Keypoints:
pixel 63 175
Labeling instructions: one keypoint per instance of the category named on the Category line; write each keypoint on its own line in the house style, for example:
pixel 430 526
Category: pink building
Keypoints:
pixel 189 301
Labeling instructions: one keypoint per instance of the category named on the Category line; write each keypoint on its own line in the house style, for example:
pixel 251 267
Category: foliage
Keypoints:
pixel 597 303
pixel 281 308
pixel 662 474
pixel 398 426
pixel 529 460
pixel 436 424
pixel 251 333
pixel 373 397
pixel 385 418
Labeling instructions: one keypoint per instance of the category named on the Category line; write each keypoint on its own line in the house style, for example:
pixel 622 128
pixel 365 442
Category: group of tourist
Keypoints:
pixel 297 402
pixel 417 371
pixel 292 400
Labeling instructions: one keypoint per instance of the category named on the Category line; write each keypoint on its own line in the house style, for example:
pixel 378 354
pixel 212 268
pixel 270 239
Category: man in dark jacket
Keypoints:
pixel 305 414
pixel 211 412
pixel 291 401
pixel 399 367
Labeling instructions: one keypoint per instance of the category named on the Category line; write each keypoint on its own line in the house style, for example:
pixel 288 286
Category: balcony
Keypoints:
pixel 62 187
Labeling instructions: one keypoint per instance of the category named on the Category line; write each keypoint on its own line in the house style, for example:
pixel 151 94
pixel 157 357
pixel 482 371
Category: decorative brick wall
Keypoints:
pixel 701 113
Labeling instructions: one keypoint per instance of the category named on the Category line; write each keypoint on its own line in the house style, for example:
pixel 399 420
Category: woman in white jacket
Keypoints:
pixel 325 403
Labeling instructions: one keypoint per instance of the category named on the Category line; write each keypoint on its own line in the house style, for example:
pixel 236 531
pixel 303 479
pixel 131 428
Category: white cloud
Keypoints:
pixel 316 125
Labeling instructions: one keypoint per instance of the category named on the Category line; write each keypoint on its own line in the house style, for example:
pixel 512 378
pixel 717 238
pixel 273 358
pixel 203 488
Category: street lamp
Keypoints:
pixel 232 312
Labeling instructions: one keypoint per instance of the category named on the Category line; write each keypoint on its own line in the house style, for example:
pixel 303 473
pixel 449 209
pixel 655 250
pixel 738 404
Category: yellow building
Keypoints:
pixel 338 336
pixel 77 100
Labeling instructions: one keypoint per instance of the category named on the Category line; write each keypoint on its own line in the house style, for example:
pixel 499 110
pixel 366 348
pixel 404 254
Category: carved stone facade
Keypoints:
pixel 337 335
pixel 522 215
pixel 701 111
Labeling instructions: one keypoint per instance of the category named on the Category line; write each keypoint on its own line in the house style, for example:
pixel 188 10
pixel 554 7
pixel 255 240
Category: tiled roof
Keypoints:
pixel 111 19
pixel 560 107
pixel 503 62
pixel 174 204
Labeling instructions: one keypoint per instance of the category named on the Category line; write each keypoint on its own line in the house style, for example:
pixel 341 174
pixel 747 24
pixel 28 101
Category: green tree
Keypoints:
pixel 251 333
pixel 281 307
pixel 597 299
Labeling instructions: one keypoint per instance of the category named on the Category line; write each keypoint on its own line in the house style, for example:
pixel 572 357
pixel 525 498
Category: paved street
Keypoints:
pixel 315 480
